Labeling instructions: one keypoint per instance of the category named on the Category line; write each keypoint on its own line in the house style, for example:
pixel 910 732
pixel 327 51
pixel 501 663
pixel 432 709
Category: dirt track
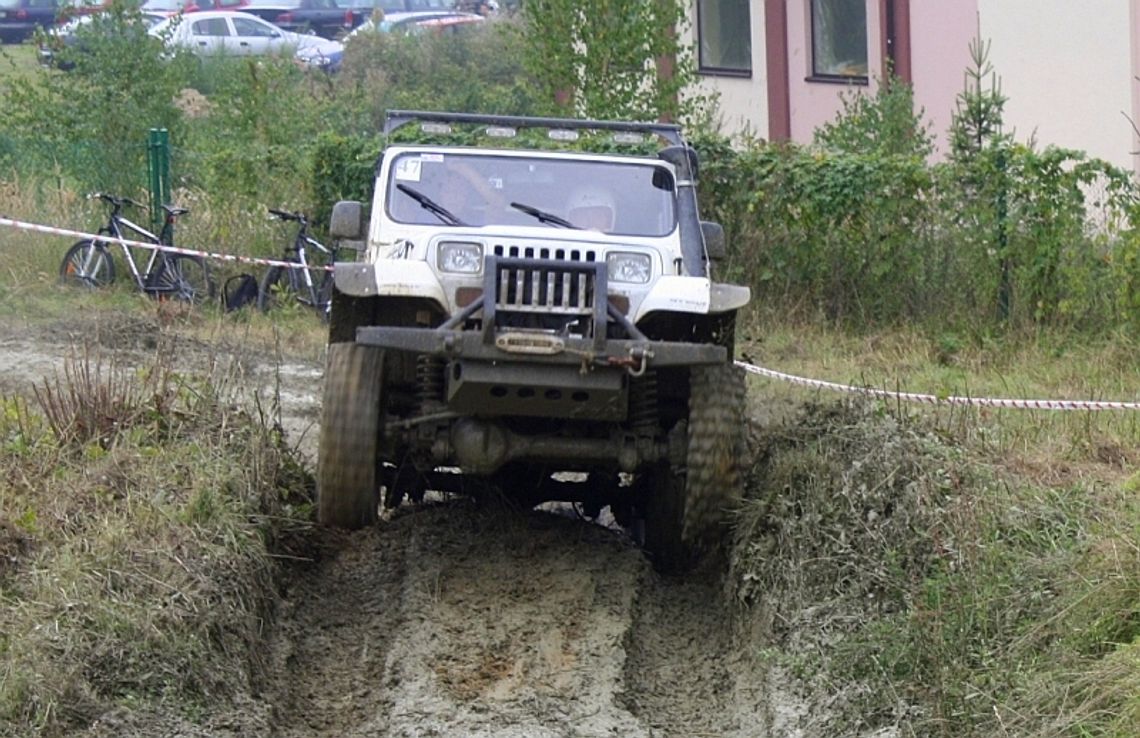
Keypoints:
pixel 452 620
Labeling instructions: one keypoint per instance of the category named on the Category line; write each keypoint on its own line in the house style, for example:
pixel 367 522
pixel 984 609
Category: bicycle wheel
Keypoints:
pixel 87 264
pixel 185 278
pixel 277 287
pixel 324 297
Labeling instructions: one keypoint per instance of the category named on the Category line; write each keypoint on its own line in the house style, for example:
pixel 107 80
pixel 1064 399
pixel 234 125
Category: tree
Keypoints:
pixel 611 58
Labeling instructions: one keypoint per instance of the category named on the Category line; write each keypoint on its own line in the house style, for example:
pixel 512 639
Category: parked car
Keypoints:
pixel 419 22
pixel 173 7
pixel 325 18
pixel 366 8
pixel 218 32
pixel 69 36
pixel 19 19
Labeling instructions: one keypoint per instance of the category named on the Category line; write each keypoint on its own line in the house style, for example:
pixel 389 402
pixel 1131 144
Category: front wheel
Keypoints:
pixel 276 288
pixel 87 264
pixel 688 510
pixel 348 494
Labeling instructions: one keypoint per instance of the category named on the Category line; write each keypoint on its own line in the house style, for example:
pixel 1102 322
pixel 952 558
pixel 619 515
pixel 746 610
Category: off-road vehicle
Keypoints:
pixel 539 320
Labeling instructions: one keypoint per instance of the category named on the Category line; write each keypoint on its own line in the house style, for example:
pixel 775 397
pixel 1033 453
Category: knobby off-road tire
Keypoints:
pixel 348 455
pixel 87 264
pixel 689 510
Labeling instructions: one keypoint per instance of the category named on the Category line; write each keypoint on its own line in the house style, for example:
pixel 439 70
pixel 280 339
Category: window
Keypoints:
pixel 724 36
pixel 839 39
pixel 211 27
pixel 249 27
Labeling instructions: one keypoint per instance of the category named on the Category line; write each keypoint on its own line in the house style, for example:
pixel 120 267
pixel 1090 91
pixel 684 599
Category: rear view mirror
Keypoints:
pixel 713 233
pixel 347 220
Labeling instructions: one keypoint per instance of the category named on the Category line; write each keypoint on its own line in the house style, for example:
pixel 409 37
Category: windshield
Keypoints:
pixel 485 189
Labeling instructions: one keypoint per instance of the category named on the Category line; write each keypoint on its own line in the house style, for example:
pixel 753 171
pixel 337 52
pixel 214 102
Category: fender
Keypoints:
pixel 676 294
pixel 389 278
pixel 726 297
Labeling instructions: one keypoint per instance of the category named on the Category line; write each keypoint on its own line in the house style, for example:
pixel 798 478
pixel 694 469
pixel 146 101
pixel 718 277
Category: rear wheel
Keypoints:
pixel 348 456
pixel 689 508
pixel 192 278
pixel 87 264
pixel 178 277
pixel 275 287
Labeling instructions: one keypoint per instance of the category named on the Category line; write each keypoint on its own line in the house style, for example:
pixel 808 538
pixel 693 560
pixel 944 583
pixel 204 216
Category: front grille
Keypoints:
pixel 560 297
pixel 545 289
pixel 544 252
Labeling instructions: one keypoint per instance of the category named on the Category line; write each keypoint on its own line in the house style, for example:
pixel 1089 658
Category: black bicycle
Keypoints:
pixel 299 283
pixel 165 275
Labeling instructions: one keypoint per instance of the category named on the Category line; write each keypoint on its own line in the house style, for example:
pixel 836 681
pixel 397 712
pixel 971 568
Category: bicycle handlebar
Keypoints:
pixel 286 215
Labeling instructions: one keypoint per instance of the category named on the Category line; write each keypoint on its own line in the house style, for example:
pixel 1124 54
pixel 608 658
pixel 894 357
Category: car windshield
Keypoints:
pixel 488 189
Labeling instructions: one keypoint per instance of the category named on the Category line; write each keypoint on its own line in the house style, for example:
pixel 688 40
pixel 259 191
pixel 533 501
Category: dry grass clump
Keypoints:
pixel 912 586
pixel 138 526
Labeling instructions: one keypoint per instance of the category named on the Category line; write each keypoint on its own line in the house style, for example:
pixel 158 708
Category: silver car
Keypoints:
pixel 213 33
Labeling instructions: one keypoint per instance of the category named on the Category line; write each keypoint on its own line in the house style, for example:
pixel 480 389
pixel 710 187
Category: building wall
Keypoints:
pixel 1067 68
pixel 940 34
pixel 743 100
pixel 814 103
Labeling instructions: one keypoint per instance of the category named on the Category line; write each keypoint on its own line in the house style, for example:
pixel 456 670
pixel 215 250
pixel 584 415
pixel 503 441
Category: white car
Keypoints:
pixel 213 33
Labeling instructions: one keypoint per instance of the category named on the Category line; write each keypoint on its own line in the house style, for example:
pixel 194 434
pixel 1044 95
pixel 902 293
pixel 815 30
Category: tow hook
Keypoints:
pixel 635 363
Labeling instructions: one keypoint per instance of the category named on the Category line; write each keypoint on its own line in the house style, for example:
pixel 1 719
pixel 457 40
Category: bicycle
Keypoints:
pixel 279 282
pixel 89 263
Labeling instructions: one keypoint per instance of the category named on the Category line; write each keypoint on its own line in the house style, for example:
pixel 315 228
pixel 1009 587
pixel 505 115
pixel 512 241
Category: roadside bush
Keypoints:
pixel 910 586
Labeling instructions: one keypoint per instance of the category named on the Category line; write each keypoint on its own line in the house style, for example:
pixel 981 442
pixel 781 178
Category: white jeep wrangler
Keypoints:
pixel 523 312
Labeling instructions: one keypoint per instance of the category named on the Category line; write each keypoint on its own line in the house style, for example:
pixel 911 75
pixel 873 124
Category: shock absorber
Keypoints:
pixel 429 382
pixel 643 404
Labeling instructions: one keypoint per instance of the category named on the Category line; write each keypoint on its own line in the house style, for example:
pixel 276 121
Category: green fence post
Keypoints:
pixel 158 171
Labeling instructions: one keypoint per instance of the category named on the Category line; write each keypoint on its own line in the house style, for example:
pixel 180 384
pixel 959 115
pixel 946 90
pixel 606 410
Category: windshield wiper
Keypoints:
pixel 543 216
pixel 431 205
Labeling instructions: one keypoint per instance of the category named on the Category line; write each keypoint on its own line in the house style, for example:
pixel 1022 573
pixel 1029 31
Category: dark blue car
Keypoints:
pixel 20 18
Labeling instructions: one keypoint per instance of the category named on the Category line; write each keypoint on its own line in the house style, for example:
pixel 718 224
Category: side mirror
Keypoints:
pixel 347 220
pixel 713 233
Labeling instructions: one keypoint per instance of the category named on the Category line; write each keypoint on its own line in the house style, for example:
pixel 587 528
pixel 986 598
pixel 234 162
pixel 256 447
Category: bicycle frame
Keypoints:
pixel 114 228
pixel 306 279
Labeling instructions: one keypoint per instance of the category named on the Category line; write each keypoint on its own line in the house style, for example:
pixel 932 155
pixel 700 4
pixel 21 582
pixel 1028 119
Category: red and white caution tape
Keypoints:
pixel 817 383
pixel 36 227
pixel 951 400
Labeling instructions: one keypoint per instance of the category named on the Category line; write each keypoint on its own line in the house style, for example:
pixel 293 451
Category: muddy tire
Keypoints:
pixel 689 509
pixel 348 460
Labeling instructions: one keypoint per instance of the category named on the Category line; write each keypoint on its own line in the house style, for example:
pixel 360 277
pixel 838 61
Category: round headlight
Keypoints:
pixel 630 268
pixel 460 257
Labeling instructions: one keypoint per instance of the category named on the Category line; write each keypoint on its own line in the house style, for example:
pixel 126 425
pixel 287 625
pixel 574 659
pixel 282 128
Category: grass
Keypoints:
pixel 137 528
pixel 17 61
pixel 943 571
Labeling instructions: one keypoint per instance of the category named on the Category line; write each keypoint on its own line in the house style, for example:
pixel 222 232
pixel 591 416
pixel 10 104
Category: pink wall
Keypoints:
pixel 939 44
pixel 940 34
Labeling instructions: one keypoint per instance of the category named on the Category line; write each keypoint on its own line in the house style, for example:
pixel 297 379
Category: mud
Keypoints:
pixel 451 619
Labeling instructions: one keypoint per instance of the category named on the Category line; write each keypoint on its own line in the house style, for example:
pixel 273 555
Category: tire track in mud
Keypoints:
pixel 453 620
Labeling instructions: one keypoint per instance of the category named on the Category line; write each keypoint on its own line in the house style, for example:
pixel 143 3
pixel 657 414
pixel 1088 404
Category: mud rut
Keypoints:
pixel 452 620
